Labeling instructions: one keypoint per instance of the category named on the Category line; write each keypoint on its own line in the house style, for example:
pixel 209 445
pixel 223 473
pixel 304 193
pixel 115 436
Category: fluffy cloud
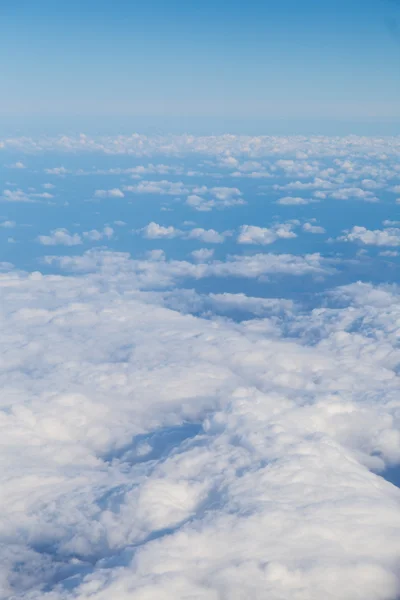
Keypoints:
pixel 376 237
pixel 62 237
pixel 311 228
pixel 149 453
pixel 203 254
pixel 252 234
pixel 163 188
pixel 155 231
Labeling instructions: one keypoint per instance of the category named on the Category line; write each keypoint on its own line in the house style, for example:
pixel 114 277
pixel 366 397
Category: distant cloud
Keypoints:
pixel 60 237
pixel 310 228
pixel 113 193
pixel 293 201
pixel 252 234
pixel 17 165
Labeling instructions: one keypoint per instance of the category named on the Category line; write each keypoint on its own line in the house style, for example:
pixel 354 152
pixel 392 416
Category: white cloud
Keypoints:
pixel 16 196
pixel 377 237
pixel 113 193
pixel 164 187
pixel 60 237
pixel 203 254
pixel 151 454
pixel 94 235
pixel 353 192
pixel 154 231
pixel 252 234
pixel 17 165
pixel 209 236
pixel 293 201
pixel 60 171
pixel 310 228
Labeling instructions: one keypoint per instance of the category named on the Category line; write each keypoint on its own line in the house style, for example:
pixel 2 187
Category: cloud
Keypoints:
pixel 206 235
pixel 155 231
pixel 113 193
pixel 163 188
pixel 357 193
pixel 17 165
pixel 292 201
pixel 16 196
pixel 60 171
pixel 60 237
pixel 252 234
pixel 8 224
pixel 203 254
pixel 310 228
pixel 152 453
pixel 377 237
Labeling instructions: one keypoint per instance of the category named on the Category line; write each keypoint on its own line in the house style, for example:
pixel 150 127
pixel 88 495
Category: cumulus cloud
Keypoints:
pixel 155 231
pixel 113 193
pixel 203 254
pixel 376 237
pixel 60 171
pixel 252 234
pixel 163 188
pixel 62 237
pixel 311 228
pixel 152 453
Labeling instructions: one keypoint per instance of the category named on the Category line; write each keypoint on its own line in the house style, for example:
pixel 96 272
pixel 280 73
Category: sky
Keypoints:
pixel 199 300
pixel 181 62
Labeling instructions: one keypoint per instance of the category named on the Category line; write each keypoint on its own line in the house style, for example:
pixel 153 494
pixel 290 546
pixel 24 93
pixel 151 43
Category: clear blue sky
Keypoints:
pixel 166 58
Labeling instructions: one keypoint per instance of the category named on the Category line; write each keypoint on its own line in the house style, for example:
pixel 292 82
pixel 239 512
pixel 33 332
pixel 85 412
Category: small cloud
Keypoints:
pixel 309 228
pixel 17 165
pixel 292 201
pixel 113 193
pixel 60 237
pixel 203 254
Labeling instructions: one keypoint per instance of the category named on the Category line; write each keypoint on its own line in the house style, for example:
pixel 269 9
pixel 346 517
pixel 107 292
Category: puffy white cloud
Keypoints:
pixel 203 254
pixel 209 236
pixel 353 192
pixel 311 228
pixel 163 188
pixel 60 171
pixel 8 224
pixel 252 234
pixel 376 237
pixel 16 196
pixel 154 231
pixel 60 237
pixel 148 453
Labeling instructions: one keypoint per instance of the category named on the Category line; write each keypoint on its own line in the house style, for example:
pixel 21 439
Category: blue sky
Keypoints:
pixel 256 60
